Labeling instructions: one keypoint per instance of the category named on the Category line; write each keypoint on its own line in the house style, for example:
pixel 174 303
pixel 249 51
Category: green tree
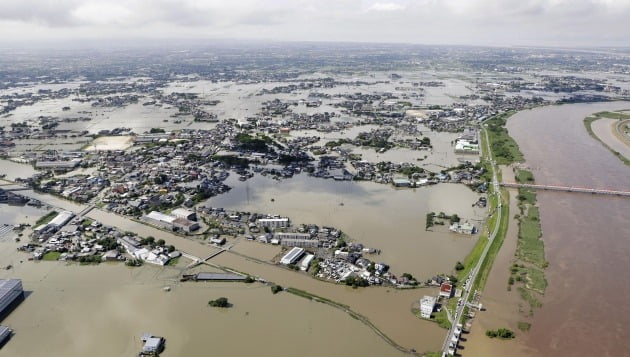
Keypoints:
pixel 220 302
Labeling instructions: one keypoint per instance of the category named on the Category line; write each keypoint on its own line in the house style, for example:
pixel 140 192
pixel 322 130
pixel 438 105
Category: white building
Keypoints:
pixel 185 225
pixel 184 213
pixel 463 228
pixel 159 219
pixel 61 219
pixel 292 256
pixel 427 304
pixel 465 147
pixel 283 236
pixel 306 262
pixel 274 222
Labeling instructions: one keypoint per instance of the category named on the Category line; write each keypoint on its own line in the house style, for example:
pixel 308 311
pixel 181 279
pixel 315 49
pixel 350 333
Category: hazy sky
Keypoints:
pixel 474 22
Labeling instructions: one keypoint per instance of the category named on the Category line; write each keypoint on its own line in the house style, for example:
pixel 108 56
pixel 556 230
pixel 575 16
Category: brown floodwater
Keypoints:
pixel 377 215
pixel 585 310
pixel 103 310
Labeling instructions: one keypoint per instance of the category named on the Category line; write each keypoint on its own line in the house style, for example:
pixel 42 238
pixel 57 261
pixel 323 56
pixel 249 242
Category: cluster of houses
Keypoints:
pixel 77 238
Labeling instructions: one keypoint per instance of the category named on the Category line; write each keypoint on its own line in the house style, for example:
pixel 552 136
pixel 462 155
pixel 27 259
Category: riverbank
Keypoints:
pixel 603 127
pixel 528 248
pixel 501 306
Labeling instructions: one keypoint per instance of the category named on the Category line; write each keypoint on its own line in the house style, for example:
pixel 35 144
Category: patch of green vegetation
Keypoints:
pixel 356 281
pixel 530 247
pixel 87 222
pixel 501 333
pixel 156 131
pixel 504 148
pixel 524 176
pixel 90 259
pixel 535 279
pixel 276 289
pixel 47 218
pixel 526 195
pixel 232 160
pixel 51 256
pixel 524 326
pixel 530 297
pixel 134 262
pixel 220 302
pixel 333 143
pixel 257 143
pixel 173 262
pixel 429 222
pixel 432 354
pixel 441 318
pixel 410 170
pixel 612 115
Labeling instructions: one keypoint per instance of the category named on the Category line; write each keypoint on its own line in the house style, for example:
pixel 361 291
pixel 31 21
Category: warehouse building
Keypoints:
pixel 61 219
pixel 11 293
pixel 292 256
pixel 184 213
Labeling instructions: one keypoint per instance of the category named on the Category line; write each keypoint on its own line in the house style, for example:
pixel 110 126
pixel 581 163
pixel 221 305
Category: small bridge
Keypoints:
pixel 198 261
pixel 594 191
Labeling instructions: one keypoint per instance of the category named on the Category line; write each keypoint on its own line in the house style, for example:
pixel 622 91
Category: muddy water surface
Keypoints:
pixel 587 237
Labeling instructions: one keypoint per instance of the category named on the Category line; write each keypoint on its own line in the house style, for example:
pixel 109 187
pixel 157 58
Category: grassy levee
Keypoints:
pixel 504 149
pixel 528 269
pixel 588 121
pixel 493 251
pixel 475 254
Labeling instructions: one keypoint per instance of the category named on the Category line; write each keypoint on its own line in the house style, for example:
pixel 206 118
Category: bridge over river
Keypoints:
pixel 568 189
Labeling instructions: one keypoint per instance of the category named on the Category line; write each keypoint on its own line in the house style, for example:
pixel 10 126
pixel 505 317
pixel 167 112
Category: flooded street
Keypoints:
pixel 379 216
pixel 585 310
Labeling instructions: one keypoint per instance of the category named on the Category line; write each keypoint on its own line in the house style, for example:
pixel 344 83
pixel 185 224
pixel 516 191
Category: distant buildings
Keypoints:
pixel 427 304
pixel 58 165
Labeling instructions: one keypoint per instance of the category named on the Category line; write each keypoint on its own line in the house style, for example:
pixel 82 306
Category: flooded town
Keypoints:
pixel 376 207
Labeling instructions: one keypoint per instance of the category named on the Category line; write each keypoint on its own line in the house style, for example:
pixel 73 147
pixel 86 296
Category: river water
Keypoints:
pixel 585 310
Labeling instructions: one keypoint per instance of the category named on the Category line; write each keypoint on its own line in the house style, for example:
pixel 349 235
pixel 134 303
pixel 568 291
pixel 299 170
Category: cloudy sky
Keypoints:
pixel 473 22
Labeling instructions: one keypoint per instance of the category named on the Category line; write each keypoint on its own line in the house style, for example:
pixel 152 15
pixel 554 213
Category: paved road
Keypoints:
pixel 473 273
